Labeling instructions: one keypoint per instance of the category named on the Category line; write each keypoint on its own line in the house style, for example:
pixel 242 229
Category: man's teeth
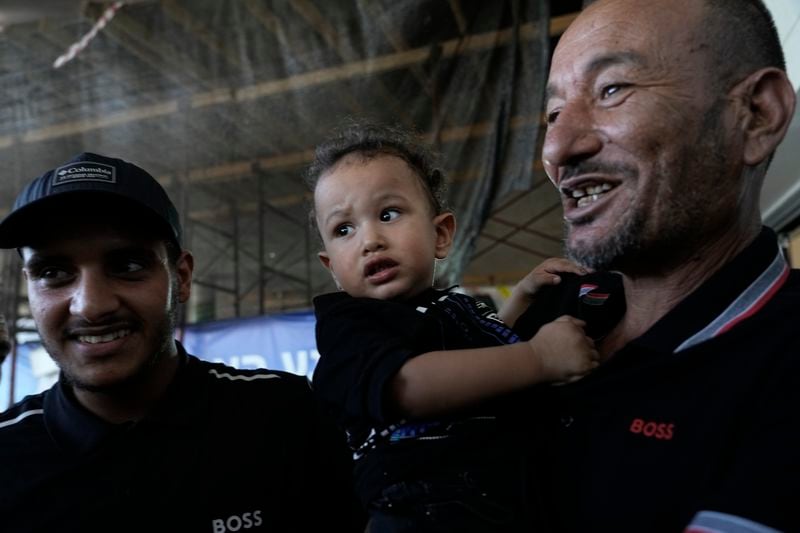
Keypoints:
pixel 592 191
pixel 590 194
pixel 108 337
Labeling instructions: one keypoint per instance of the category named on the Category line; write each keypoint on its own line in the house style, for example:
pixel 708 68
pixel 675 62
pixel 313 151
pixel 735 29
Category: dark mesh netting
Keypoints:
pixel 224 100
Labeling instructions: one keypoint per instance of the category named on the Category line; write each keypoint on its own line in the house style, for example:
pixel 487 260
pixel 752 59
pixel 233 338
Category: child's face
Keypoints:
pixel 378 228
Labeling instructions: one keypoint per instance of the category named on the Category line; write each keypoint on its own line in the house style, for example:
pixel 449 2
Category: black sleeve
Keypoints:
pixel 597 298
pixel 362 343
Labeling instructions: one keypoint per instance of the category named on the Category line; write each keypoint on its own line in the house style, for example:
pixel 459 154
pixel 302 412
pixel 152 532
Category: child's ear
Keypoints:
pixel 445 224
pixel 326 262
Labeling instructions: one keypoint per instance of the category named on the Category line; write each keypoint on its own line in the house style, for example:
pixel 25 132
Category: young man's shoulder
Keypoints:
pixel 23 414
pixel 23 433
pixel 227 376
pixel 249 401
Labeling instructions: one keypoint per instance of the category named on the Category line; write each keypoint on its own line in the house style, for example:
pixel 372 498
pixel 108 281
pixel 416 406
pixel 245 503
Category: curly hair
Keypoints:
pixel 369 140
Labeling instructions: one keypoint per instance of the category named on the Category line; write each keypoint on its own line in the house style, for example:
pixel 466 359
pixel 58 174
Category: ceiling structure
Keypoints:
pixel 224 100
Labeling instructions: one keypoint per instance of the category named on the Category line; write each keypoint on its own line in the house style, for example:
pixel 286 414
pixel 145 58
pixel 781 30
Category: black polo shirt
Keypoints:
pixel 363 342
pixel 226 450
pixel 597 298
pixel 695 422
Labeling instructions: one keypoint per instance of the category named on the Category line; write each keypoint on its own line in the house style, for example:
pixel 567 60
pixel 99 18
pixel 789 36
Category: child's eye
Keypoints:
pixel 343 230
pixel 387 215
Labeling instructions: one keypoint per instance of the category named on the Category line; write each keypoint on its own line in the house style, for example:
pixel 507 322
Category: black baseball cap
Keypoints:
pixel 79 180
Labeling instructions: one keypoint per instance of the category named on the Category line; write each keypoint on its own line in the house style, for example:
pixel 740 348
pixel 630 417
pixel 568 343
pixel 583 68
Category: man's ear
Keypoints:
pixel 184 268
pixel 445 224
pixel 769 102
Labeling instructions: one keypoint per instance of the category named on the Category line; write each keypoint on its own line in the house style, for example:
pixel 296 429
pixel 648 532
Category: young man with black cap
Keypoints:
pixel 138 435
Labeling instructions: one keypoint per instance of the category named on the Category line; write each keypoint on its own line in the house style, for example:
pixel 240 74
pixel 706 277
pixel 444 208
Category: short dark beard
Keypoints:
pixel 165 329
pixel 608 254
pixel 635 246
pixel 603 254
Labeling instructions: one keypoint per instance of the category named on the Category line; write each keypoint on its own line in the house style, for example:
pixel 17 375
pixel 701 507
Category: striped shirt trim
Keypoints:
pixel 715 522
pixel 241 377
pixel 749 302
pixel 21 417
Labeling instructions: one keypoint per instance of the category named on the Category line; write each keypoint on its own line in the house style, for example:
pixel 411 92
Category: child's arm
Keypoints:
pixel 546 273
pixel 445 381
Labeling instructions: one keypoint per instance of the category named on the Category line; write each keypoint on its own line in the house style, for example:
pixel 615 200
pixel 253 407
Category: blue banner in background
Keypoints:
pixel 279 342
pixel 25 382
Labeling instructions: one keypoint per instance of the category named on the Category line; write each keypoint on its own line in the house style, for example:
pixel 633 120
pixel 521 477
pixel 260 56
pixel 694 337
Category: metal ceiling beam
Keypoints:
pixel 505 238
pixel 274 25
pixel 399 44
pixel 458 15
pixel 309 12
pixel 184 18
pixel 367 67
pixel 244 169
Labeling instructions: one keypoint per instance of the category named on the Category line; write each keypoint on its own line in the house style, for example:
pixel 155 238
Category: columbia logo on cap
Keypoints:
pixel 83 171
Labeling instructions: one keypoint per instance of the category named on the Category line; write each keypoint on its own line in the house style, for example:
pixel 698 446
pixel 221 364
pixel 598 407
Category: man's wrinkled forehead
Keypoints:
pixel 608 32
pixel 647 21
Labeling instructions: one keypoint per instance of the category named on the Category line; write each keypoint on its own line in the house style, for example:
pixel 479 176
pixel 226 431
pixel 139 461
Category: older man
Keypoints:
pixel 662 117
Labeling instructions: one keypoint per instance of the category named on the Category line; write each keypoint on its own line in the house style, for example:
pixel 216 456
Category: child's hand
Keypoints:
pixel 546 273
pixel 563 351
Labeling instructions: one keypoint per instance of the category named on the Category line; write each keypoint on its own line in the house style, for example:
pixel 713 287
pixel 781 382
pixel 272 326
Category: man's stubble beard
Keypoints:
pixel 164 336
pixel 638 246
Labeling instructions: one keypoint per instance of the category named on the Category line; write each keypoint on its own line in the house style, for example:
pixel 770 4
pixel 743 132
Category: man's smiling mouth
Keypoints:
pixel 108 337
pixel 590 194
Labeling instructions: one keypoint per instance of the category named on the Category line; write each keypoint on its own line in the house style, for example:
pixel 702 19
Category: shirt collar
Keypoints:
pixel 732 294
pixel 75 428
